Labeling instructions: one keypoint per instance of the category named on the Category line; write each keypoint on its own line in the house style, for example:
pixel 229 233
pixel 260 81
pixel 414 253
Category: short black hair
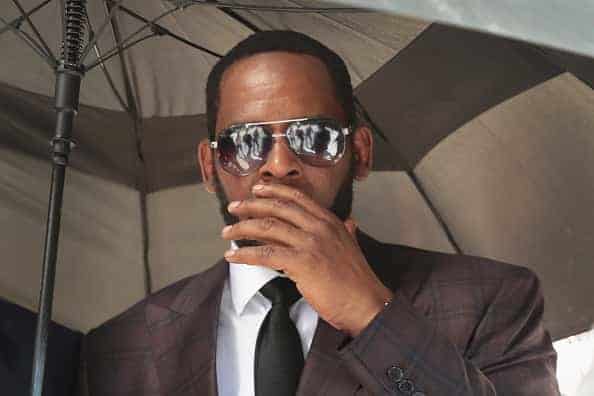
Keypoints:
pixel 280 41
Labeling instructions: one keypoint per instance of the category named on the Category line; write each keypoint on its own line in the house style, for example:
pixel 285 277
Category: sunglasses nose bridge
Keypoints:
pixel 279 134
pixel 281 161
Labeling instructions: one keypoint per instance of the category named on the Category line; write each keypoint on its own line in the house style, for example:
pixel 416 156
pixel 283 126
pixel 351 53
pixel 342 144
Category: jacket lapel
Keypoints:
pixel 184 335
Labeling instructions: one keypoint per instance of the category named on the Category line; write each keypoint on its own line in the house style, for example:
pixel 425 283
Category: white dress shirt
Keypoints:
pixel 243 309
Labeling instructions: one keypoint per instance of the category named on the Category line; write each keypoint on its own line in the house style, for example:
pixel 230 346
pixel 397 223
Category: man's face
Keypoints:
pixel 277 86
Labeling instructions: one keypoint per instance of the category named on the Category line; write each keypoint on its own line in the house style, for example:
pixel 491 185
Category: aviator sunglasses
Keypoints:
pixel 242 148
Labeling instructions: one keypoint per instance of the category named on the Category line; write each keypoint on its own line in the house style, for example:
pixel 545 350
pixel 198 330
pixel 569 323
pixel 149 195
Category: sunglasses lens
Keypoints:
pixel 317 142
pixel 243 148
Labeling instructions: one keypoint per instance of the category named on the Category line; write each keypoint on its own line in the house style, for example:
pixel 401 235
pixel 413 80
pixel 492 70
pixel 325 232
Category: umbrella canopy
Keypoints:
pixel 483 147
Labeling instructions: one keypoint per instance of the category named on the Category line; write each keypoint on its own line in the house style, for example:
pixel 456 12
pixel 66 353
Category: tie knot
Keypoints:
pixel 281 290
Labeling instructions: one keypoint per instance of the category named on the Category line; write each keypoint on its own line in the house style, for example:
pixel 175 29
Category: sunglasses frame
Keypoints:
pixel 346 131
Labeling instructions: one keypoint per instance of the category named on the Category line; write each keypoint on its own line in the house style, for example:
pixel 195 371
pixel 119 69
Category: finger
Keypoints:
pixel 267 229
pixel 284 210
pixel 272 256
pixel 292 194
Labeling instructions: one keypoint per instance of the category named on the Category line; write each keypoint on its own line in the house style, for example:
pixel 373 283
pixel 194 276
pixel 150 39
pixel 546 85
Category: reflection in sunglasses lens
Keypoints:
pixel 245 147
pixel 321 139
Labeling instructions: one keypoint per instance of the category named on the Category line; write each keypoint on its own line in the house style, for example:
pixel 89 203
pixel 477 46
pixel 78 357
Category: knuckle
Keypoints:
pixel 298 195
pixel 266 223
pixel 266 251
pixel 279 203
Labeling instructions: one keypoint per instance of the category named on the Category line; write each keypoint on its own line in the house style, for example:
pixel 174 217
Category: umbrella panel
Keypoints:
pixel 100 270
pixel 515 184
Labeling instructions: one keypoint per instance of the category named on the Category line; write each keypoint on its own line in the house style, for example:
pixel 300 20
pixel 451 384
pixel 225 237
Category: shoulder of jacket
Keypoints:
pixel 133 319
pixel 442 267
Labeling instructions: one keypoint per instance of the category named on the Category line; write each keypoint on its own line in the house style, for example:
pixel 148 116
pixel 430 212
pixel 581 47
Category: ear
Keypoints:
pixel 206 164
pixel 362 152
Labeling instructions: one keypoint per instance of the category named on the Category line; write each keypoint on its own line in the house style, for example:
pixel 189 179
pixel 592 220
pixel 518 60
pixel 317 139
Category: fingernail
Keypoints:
pixel 227 228
pixel 258 187
pixel 229 253
pixel 233 205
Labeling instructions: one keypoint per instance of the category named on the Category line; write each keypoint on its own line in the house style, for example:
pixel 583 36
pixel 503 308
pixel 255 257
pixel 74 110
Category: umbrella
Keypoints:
pixel 467 123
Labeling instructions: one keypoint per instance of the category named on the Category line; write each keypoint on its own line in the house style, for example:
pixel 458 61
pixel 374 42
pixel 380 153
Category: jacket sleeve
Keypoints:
pixel 401 352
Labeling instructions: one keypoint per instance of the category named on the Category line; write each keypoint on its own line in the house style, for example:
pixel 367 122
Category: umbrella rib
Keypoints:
pixel 25 15
pixel 115 29
pixel 416 182
pixel 438 217
pixel 302 10
pixel 141 175
pixel 115 51
pixel 120 45
pixel 161 30
pixel 19 20
pixel 238 18
pixel 31 43
pixel 63 23
pixel 107 75
pixel 102 28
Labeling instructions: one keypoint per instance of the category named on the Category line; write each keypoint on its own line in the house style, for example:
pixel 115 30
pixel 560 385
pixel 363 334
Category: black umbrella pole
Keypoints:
pixel 67 93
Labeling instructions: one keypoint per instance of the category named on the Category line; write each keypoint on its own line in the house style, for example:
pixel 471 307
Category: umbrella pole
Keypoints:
pixel 68 80
pixel 67 92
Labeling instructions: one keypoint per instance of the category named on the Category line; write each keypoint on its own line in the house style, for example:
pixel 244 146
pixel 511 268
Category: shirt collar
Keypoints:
pixel 245 280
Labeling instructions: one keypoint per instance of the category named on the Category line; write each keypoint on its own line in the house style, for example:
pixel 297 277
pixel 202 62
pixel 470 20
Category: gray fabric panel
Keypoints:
pixel 365 41
pixel 185 227
pixel 517 184
pixel 169 147
pixel 169 77
pixel 389 207
pixel 443 79
pixel 105 139
pixel 99 267
pixel 185 224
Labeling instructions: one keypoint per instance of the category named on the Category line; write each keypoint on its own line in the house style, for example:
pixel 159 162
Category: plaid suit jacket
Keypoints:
pixel 458 325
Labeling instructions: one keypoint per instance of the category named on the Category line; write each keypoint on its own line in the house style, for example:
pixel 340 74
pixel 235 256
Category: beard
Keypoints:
pixel 341 207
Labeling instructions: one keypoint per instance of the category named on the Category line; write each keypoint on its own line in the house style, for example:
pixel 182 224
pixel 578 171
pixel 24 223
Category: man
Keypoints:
pixel 373 319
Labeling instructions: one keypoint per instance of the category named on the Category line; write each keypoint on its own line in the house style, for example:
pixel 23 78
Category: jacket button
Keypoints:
pixel 406 387
pixel 395 374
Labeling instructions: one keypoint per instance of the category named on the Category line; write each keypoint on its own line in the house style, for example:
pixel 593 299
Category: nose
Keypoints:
pixel 282 163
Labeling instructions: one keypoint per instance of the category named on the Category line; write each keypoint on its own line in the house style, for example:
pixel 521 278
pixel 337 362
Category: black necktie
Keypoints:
pixel 279 357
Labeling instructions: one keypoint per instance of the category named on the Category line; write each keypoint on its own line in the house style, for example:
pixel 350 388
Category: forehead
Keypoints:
pixel 274 86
